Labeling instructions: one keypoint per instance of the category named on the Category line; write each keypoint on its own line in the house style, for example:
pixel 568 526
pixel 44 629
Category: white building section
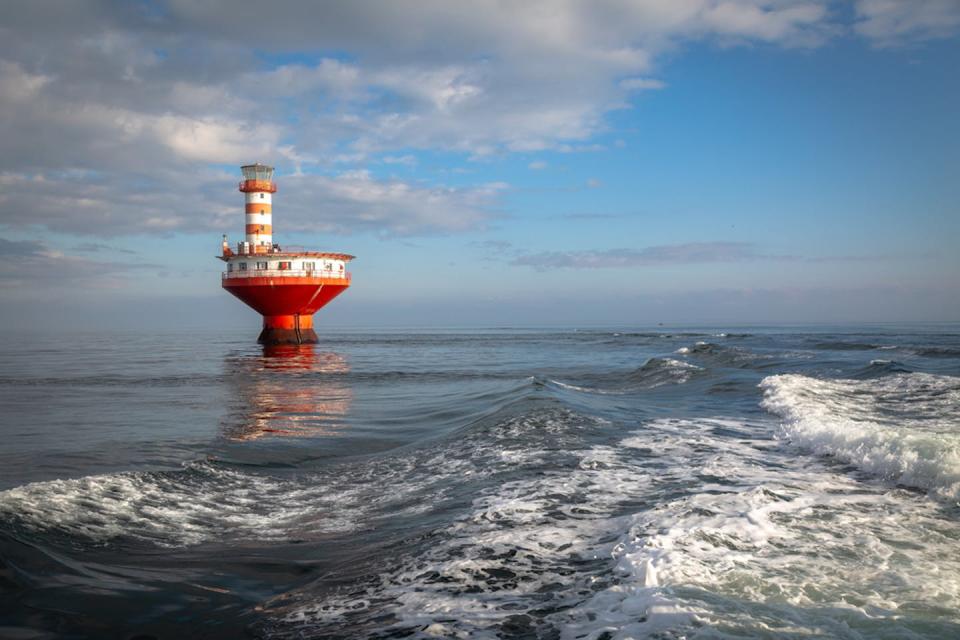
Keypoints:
pixel 276 265
pixel 257 256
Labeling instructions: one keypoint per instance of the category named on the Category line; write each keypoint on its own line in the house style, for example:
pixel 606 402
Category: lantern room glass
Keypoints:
pixel 259 172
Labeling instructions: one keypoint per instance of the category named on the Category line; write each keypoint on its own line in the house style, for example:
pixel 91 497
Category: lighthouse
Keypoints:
pixel 285 287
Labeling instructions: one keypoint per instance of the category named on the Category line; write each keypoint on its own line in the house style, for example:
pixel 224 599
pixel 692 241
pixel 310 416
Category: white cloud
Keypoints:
pixel 356 201
pixel 351 201
pixel 893 22
pixel 537 165
pixel 640 84
pixel 406 160
pixel 29 262
pixel 690 253
pixel 792 23
pixel 16 85
pixel 144 102
pixel 480 78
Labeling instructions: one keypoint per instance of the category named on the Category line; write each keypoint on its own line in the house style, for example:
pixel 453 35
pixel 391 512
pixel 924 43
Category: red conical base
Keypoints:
pixel 287 304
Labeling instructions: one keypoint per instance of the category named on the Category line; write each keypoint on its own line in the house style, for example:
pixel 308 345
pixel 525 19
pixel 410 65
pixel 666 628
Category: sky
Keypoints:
pixel 556 163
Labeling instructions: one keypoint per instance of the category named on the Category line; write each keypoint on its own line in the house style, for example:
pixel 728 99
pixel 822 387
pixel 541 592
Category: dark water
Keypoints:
pixel 715 483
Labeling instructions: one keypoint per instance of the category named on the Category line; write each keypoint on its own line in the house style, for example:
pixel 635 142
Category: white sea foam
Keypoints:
pixel 178 508
pixel 760 543
pixel 903 428
pixel 206 501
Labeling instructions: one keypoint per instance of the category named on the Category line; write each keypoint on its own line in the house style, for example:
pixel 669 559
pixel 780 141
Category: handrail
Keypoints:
pixel 286 273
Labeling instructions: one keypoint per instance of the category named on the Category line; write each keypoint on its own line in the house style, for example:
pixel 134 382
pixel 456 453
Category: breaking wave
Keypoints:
pixel 902 427
pixel 593 550
pixel 211 501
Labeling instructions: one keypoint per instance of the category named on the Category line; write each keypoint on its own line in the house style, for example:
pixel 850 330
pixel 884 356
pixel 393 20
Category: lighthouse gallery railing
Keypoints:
pixel 286 273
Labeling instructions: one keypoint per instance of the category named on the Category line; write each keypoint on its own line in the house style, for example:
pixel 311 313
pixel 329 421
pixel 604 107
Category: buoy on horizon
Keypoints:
pixel 285 287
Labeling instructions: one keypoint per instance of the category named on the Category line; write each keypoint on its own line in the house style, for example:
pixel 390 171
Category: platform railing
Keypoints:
pixel 286 273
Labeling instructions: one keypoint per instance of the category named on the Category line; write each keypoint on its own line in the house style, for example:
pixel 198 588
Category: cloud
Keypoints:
pixel 355 201
pixel 405 160
pixel 897 22
pixel 589 215
pixel 690 253
pixel 537 165
pixel 145 100
pixel 476 78
pixel 640 84
pixel 495 249
pixel 98 247
pixel 679 254
pixel 82 204
pixel 32 265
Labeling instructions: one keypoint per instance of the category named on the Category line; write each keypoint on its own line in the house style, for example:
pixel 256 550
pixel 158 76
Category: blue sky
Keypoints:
pixel 699 161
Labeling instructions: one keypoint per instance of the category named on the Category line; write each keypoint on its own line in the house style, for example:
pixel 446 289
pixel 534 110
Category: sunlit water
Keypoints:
pixel 670 483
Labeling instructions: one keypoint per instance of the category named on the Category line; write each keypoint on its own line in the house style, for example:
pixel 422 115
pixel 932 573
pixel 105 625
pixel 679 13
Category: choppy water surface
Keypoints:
pixel 702 483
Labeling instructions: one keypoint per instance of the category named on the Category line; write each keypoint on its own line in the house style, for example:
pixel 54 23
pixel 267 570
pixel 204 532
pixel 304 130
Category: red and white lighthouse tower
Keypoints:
pixel 285 287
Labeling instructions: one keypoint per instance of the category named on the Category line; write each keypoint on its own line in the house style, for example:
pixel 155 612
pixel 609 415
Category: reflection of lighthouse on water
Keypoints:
pixel 287 391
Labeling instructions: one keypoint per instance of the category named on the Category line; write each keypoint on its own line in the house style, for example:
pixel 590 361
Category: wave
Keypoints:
pixel 208 501
pixel 837 345
pixel 674 528
pixel 935 352
pixel 655 372
pixel 916 350
pixel 723 356
pixel 202 502
pixel 902 427
pixel 192 380
pixel 879 368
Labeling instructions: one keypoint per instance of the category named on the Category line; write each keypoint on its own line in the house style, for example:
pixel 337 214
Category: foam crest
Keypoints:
pixel 205 501
pixel 903 427
pixel 756 543
pixel 177 508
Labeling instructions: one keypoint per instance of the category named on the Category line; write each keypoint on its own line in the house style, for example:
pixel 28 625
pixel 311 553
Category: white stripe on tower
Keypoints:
pixel 259 218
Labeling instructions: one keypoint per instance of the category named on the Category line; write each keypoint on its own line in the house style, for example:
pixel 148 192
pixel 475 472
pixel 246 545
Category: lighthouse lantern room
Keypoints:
pixel 285 287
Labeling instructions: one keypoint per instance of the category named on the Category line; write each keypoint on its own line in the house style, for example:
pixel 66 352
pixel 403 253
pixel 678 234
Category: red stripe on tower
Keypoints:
pixel 285 287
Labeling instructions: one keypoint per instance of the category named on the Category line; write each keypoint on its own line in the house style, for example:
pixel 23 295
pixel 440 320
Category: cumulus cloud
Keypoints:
pixel 639 84
pixel 356 201
pixel 896 22
pixel 85 203
pixel 109 108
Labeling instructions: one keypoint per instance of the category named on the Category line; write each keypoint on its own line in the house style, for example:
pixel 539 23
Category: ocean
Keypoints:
pixel 664 482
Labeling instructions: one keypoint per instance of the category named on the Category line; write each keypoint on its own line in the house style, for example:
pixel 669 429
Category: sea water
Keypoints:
pixel 727 482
